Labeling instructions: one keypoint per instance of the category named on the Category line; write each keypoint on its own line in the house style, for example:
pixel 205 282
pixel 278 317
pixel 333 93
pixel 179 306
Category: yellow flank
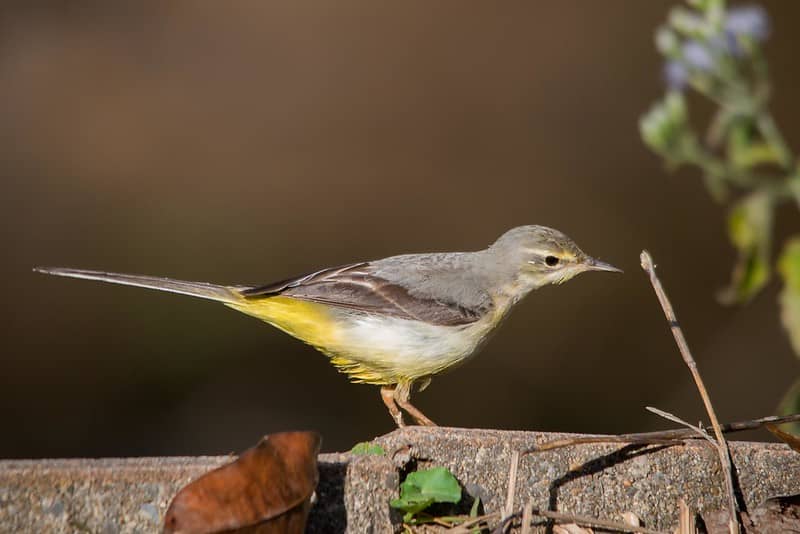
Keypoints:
pixel 316 325
pixel 307 321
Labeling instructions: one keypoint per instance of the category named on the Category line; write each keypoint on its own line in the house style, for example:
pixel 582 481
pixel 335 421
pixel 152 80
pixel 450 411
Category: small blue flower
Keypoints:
pixel 751 21
pixel 676 75
pixel 697 56
pixel 726 44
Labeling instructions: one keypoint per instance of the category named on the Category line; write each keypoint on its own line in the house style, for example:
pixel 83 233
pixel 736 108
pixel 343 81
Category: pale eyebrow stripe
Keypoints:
pixel 538 251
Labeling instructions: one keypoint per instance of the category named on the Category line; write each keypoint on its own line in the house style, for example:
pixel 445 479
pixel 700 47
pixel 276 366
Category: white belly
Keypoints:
pixel 406 348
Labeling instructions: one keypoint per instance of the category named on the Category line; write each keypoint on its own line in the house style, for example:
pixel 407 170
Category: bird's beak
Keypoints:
pixel 597 265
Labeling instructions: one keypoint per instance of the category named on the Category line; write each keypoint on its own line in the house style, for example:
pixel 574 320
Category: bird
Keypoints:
pixel 398 321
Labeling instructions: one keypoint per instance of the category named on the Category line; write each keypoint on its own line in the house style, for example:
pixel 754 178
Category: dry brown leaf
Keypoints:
pixel 790 439
pixel 266 490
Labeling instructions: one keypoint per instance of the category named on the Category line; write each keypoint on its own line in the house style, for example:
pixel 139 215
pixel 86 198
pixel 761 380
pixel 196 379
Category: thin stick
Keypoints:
pixel 686 519
pixel 627 439
pixel 439 521
pixel 722 445
pixel 467 526
pixel 699 430
pixel 561 517
pixel 592 522
pixel 676 436
pixel 508 510
pixel 527 515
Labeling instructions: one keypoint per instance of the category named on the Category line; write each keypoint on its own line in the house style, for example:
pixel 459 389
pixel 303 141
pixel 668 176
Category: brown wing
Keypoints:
pixel 355 287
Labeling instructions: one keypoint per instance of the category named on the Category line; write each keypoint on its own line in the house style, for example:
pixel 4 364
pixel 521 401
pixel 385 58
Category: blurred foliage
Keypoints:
pixel 789 267
pixel 716 52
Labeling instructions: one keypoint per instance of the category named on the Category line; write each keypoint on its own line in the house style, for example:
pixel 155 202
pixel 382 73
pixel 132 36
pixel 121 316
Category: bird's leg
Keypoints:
pixel 388 396
pixel 402 394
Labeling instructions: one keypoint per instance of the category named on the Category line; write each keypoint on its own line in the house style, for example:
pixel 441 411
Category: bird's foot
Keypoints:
pixel 388 396
pixel 402 395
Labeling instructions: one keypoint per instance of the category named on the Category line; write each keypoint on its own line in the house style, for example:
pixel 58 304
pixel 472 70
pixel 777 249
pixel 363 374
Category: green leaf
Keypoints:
pixel 790 404
pixel 789 264
pixel 476 504
pixel 367 448
pixel 756 154
pixel 745 151
pixel 794 187
pixel 749 229
pixel 789 267
pixel 473 513
pixel 424 488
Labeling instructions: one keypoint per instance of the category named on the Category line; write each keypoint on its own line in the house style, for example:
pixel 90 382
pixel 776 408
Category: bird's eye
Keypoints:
pixel 551 261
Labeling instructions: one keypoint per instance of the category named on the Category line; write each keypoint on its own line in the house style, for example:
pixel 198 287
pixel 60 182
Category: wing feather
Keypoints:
pixel 357 287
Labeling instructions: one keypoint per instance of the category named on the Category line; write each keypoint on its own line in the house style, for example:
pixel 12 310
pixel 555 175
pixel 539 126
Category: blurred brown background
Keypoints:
pixel 250 141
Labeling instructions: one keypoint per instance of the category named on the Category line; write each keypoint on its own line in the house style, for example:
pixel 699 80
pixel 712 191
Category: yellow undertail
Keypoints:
pixel 316 325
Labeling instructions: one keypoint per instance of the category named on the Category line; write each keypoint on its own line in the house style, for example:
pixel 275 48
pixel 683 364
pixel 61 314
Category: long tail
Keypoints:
pixel 202 290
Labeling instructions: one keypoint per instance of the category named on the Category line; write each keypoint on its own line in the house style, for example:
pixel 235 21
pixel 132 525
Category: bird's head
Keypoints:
pixel 544 256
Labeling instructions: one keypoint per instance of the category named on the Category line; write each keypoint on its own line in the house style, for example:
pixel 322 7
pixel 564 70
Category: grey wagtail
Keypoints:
pixel 400 320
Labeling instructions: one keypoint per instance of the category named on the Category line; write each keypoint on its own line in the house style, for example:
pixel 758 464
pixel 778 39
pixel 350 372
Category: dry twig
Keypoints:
pixel 527 515
pixel 662 437
pixel 561 517
pixel 699 430
pixel 594 522
pixel 467 526
pixel 721 445
pixel 686 520
pixel 508 510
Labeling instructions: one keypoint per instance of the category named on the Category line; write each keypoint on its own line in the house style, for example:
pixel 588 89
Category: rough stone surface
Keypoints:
pixel 600 480
pixel 372 481
pixel 131 495
pixel 104 496
pixel 109 496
